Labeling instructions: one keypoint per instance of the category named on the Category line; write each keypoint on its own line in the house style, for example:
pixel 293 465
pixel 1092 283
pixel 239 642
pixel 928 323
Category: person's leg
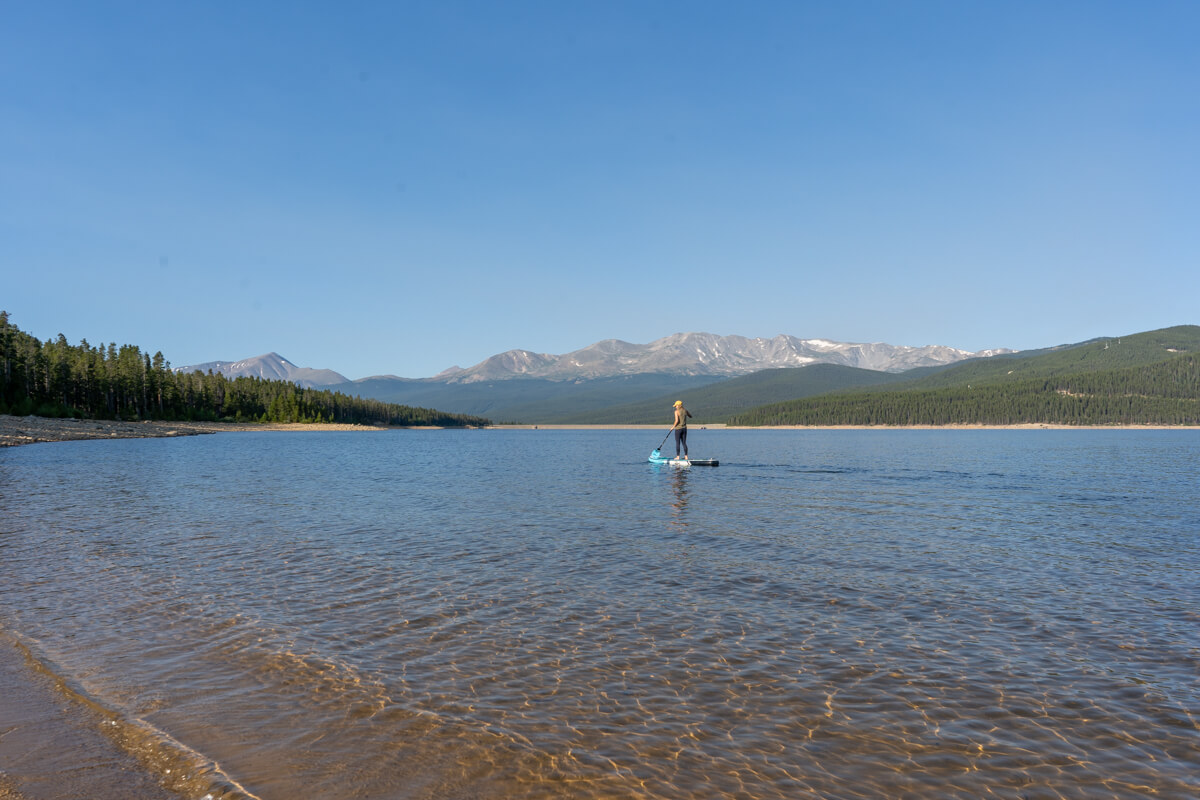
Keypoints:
pixel 678 433
pixel 683 440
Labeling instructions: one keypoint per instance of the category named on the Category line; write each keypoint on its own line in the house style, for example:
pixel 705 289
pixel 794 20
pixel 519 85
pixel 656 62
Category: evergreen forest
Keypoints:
pixel 1150 378
pixel 1145 379
pixel 58 379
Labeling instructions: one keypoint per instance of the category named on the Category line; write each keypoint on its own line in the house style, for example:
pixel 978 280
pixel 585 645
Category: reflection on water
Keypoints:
pixel 500 614
pixel 679 478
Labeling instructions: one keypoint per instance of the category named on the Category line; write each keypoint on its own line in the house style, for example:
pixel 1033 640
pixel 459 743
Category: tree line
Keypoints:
pixel 58 379
pixel 1163 393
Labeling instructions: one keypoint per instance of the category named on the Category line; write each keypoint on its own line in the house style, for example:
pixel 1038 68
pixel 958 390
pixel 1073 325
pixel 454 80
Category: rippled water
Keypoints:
pixel 469 614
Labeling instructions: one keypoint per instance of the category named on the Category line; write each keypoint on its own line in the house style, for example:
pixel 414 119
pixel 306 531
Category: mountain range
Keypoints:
pixel 271 366
pixel 1150 378
pixel 767 381
pixel 523 386
pixel 704 354
pixel 685 354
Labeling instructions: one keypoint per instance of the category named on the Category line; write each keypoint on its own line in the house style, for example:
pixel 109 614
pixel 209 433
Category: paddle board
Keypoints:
pixel 658 458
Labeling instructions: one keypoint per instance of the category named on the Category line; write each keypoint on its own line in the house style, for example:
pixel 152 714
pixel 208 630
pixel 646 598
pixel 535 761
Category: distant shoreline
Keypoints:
pixel 16 431
pixel 956 427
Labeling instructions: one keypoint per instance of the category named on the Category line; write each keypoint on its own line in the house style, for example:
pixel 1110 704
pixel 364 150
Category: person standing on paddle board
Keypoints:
pixel 680 428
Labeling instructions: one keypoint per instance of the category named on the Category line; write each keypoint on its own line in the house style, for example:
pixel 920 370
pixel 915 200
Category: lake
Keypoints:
pixel 544 614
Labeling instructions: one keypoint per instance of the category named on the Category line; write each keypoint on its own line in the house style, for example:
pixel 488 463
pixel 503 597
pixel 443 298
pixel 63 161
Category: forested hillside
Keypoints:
pixel 58 379
pixel 1159 393
pixel 717 401
pixel 1091 356
pixel 523 400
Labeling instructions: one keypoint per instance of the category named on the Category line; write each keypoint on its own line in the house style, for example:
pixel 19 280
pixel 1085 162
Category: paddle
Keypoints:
pixel 664 441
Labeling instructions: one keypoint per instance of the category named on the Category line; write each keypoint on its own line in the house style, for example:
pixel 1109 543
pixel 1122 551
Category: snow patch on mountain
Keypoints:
pixel 707 354
pixel 699 354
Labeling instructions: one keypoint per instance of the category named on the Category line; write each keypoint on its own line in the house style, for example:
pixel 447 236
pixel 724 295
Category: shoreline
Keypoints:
pixel 720 426
pixel 55 744
pixel 15 431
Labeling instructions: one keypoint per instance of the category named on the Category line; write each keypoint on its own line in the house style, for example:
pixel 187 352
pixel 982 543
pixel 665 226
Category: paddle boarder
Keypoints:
pixel 680 428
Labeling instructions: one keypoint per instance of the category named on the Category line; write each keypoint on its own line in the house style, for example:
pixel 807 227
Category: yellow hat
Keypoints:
pixel 678 402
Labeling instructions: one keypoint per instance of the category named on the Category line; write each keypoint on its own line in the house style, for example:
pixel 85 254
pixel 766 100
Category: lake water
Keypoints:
pixel 544 614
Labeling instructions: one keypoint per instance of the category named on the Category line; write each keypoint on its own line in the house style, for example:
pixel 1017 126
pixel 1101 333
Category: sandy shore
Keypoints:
pixel 720 426
pixel 52 746
pixel 1027 426
pixel 31 430
pixel 522 427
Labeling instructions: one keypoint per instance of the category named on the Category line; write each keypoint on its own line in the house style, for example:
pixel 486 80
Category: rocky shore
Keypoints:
pixel 31 430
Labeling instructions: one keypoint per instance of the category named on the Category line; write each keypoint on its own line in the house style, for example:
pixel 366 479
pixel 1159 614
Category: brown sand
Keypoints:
pixel 1024 426
pixel 720 426
pixel 54 748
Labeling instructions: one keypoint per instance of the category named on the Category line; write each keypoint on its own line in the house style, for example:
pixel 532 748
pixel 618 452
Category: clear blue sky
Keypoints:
pixel 397 187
